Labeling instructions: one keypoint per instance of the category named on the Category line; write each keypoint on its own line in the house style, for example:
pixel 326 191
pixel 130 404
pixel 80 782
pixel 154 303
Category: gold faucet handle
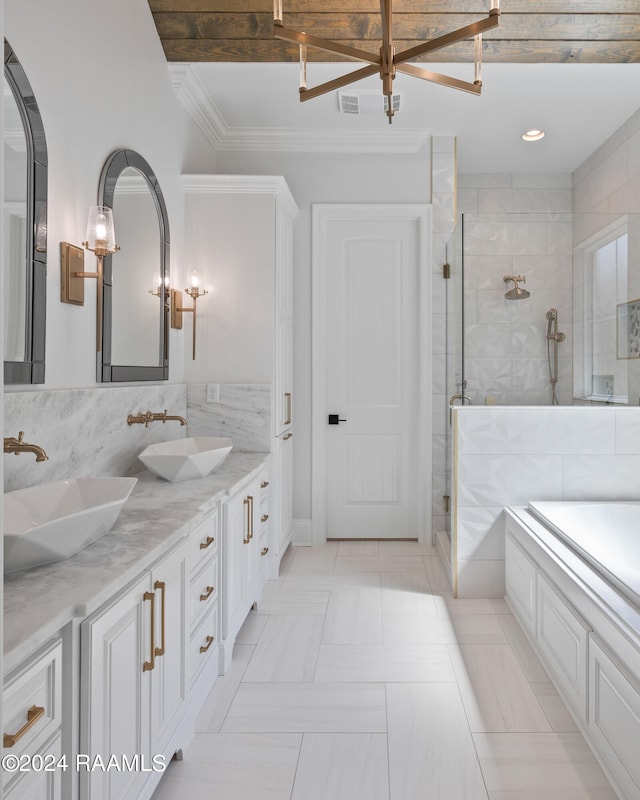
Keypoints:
pixel 20 436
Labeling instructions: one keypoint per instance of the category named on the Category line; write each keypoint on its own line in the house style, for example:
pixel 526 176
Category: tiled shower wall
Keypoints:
pixel 516 225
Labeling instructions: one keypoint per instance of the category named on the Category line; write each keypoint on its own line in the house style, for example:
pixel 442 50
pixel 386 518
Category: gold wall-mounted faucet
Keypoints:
pixel 17 446
pixel 151 416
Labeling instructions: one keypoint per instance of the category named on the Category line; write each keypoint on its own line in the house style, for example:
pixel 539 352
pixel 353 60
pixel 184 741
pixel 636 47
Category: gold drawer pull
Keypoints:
pixel 207 594
pixel 264 551
pixel 264 518
pixel 287 396
pixel 33 715
pixel 149 665
pixel 264 484
pixel 286 437
pixel 210 640
pixel 209 541
pixel 247 520
pixel 159 651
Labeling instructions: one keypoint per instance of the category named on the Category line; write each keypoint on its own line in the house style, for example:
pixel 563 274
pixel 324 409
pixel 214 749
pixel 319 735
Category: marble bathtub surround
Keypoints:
pixel 243 413
pixel 510 456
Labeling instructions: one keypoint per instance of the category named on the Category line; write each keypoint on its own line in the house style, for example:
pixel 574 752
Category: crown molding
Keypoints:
pixel 194 97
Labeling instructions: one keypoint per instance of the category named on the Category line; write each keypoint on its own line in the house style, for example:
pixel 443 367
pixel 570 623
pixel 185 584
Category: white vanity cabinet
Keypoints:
pixel 32 719
pixel 243 224
pixel 243 544
pixel 134 689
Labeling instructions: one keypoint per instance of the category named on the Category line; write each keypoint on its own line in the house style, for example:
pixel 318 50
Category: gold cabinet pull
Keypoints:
pixel 287 396
pixel 207 542
pixel 264 518
pixel 264 484
pixel 251 516
pixel 247 523
pixel 210 640
pixel 149 665
pixel 210 590
pixel 286 437
pixel 159 651
pixel 33 715
pixel 264 551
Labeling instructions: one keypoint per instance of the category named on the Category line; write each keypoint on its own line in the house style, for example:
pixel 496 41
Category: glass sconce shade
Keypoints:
pixel 101 237
pixel 194 279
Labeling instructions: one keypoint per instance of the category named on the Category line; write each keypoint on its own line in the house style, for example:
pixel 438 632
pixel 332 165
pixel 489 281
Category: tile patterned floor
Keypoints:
pixel 359 677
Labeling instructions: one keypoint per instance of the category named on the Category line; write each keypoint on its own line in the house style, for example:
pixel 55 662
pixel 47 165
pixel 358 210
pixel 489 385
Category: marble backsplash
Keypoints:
pixel 85 432
pixel 243 413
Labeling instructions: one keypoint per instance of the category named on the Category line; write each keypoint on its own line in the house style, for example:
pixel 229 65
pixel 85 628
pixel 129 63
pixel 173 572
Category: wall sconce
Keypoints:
pixel 194 291
pixel 156 282
pixel 100 240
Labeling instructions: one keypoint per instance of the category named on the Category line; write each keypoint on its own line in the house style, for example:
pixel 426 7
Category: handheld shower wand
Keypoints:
pixel 553 336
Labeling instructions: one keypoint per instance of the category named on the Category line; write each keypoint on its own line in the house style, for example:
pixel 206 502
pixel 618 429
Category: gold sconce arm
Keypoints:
pixel 177 310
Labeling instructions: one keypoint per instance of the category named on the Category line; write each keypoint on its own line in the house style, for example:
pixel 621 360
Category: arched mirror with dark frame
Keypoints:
pixel 25 228
pixel 136 278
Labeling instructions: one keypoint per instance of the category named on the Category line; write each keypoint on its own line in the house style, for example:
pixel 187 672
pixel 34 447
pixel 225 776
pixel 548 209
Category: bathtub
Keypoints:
pixel 605 534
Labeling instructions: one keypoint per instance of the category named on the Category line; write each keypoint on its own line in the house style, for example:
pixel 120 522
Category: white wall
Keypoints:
pixel 102 83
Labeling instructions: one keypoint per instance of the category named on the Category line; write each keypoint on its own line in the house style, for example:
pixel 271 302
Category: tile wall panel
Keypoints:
pixel 509 456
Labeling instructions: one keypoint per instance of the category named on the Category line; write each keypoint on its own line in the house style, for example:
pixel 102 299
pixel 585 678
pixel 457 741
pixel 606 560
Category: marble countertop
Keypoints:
pixel 39 602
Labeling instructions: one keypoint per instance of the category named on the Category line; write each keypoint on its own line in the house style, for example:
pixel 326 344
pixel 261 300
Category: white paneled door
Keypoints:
pixel 371 272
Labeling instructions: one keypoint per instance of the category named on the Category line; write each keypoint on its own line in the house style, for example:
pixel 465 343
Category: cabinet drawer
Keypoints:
pixel 203 541
pixel 614 717
pixel 45 784
pixel 562 637
pixel 204 590
pixel 204 644
pixel 33 704
pixel 520 578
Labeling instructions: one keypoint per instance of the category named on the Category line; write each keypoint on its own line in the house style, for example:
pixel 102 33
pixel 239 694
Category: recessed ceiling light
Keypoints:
pixel 533 136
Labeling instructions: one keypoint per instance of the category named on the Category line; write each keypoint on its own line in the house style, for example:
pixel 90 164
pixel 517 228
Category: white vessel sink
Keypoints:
pixel 53 521
pixel 183 459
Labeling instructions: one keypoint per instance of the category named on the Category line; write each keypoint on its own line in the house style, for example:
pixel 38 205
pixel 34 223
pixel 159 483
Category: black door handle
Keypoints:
pixel 334 419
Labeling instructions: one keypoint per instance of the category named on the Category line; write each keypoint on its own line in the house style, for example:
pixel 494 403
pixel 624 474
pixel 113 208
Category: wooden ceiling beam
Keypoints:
pixel 503 51
pixel 602 7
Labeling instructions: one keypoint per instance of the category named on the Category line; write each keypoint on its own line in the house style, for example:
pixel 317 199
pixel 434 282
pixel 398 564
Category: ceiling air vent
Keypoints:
pixel 366 102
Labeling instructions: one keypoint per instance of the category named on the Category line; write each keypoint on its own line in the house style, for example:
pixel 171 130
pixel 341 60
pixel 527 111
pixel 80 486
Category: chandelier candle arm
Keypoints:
pixel 338 83
pixel 300 37
pixel 443 80
pixel 303 66
pixel 477 59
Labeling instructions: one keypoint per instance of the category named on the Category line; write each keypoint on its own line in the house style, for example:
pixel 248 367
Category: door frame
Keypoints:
pixel 322 215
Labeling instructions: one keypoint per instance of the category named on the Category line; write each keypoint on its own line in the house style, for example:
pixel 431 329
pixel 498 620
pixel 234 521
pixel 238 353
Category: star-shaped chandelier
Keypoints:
pixel 387 62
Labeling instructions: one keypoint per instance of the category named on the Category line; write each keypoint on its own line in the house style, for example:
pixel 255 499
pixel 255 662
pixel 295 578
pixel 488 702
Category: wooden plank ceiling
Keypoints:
pixel 530 31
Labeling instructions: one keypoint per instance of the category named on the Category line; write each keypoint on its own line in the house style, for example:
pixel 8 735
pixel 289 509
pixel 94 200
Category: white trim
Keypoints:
pixel 242 184
pixel 196 100
pixel 322 214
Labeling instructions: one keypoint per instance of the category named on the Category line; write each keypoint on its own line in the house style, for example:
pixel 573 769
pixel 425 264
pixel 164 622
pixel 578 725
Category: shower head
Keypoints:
pixel 516 293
